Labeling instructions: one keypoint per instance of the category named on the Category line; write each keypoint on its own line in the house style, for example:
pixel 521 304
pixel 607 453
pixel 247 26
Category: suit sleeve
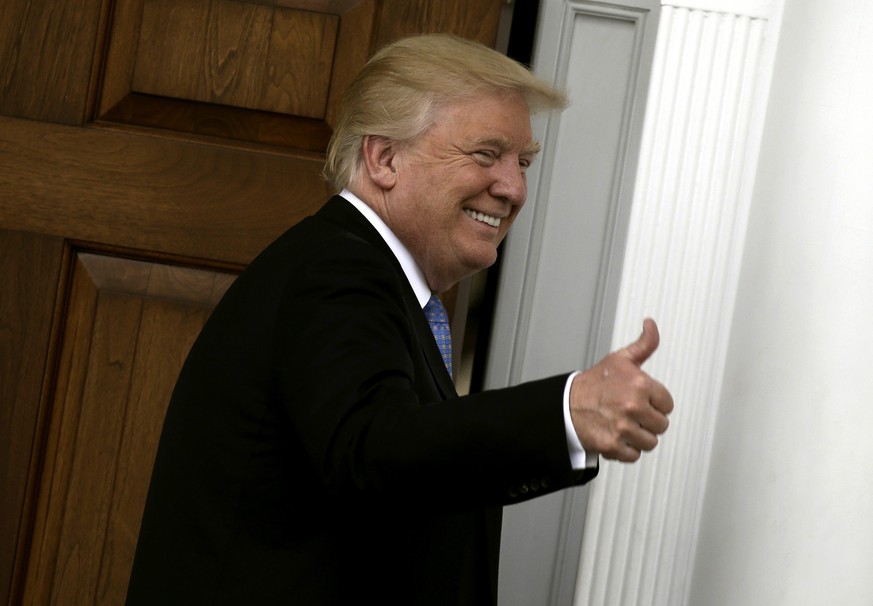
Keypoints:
pixel 349 372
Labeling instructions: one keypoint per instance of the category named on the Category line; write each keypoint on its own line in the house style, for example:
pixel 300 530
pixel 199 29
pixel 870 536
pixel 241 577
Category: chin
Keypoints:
pixel 482 262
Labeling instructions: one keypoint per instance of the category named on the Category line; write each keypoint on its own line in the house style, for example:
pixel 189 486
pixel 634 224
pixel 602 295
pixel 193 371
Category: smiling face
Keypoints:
pixel 455 191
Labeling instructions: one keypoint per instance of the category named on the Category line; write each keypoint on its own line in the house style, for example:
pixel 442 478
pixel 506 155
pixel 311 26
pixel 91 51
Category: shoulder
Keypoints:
pixel 330 245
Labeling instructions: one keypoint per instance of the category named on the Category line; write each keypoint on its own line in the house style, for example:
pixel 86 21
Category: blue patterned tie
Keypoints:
pixel 439 326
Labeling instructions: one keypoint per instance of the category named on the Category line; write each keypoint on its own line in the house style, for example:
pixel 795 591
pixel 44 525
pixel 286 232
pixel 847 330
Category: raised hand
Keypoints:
pixel 617 409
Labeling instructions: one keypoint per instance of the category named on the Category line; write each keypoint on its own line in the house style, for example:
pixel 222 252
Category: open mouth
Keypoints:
pixel 490 220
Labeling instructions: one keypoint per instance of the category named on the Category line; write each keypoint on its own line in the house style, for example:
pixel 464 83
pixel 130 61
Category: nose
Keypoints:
pixel 509 183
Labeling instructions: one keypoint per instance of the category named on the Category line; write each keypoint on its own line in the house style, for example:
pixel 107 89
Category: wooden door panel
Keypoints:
pixel 221 205
pixel 29 269
pixel 476 20
pixel 139 139
pixel 268 73
pixel 46 58
pixel 247 71
pixel 127 330
pixel 244 55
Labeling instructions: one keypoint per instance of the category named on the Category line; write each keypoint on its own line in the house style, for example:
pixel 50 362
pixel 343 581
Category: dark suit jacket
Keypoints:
pixel 315 450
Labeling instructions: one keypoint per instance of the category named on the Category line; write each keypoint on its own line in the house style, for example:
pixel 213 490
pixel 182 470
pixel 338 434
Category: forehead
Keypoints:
pixel 492 120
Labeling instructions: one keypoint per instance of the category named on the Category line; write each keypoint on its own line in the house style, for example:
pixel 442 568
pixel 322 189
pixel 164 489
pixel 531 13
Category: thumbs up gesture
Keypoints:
pixel 616 408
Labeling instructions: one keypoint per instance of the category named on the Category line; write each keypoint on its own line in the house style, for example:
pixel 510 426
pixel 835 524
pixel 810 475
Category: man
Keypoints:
pixel 315 450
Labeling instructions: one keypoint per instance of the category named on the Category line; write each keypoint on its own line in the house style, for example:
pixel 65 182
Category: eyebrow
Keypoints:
pixel 532 147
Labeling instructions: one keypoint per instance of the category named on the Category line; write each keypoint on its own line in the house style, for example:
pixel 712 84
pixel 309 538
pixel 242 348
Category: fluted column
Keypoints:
pixel 699 151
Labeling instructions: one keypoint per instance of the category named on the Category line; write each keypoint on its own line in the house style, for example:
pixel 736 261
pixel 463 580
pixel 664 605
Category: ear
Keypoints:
pixel 380 154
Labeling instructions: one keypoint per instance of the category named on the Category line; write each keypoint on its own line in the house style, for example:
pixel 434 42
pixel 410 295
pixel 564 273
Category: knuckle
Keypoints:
pixel 625 426
pixel 641 382
pixel 632 456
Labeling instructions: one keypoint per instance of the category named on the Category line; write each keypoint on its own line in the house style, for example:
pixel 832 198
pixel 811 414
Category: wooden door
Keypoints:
pixel 148 150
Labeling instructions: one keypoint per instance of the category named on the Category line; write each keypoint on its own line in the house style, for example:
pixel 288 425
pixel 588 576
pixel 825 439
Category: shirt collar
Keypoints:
pixel 410 268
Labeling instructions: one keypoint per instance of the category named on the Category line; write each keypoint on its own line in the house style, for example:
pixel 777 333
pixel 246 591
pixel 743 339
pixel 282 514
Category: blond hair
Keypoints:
pixel 397 92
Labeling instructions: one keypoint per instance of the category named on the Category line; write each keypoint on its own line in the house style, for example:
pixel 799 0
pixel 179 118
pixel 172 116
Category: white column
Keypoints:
pixel 688 221
pixel 787 515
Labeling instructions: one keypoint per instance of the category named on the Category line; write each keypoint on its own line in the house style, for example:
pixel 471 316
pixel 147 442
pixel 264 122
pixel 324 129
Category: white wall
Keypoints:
pixel 788 511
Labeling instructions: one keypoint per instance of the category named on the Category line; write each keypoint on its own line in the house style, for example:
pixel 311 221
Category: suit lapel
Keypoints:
pixel 342 212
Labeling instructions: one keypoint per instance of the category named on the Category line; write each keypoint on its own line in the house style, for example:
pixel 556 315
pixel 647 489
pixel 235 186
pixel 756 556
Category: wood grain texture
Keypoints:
pixel 474 19
pixel 208 121
pixel 300 61
pixel 170 197
pixel 354 45
pixel 46 58
pixel 122 40
pixel 281 87
pixel 29 268
pixel 89 164
pixel 128 329
pixel 236 54
pixel 258 72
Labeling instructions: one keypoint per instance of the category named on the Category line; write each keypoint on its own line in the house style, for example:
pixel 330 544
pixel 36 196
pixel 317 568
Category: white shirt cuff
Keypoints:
pixel 579 459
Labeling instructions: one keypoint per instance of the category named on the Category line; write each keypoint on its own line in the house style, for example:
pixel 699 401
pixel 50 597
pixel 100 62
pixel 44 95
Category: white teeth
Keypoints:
pixel 492 221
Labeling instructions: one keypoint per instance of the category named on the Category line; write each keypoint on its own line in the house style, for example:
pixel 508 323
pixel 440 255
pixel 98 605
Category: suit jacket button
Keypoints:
pixel 512 493
pixel 524 489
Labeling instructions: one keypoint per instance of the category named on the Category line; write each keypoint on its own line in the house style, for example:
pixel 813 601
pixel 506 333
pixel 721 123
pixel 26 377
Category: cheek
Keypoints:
pixel 512 215
pixel 507 223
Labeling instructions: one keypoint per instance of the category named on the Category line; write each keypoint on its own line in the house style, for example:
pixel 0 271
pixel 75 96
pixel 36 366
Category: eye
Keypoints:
pixel 485 157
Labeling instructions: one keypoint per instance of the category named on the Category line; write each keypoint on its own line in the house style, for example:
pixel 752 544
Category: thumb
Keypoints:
pixel 640 350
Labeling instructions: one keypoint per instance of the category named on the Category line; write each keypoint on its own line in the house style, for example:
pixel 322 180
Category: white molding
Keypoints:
pixel 756 9
pixel 685 241
pixel 562 264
